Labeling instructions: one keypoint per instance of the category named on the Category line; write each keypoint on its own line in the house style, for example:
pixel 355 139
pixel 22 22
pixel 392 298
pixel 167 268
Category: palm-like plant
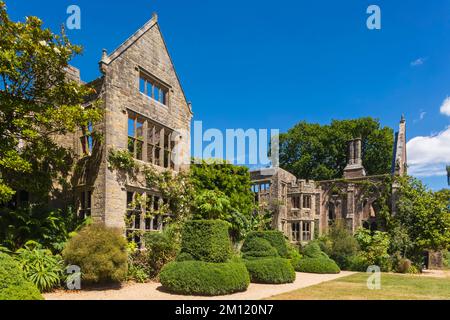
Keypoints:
pixel 40 266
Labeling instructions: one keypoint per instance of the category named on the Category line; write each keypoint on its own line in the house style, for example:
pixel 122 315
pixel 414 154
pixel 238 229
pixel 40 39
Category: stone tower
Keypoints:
pixel 354 168
pixel 399 163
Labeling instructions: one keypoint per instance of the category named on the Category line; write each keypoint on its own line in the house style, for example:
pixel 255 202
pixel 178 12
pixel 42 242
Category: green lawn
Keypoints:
pixel 393 287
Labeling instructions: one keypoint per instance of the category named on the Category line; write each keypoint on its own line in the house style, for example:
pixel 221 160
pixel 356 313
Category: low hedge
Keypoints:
pixel 206 240
pixel 275 238
pixel 204 278
pixel 258 248
pixel 321 265
pixel 13 285
pixel 270 270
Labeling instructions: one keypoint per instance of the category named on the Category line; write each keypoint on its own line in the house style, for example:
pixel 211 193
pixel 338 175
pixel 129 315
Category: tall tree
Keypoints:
pixel 319 152
pixel 425 215
pixel 37 102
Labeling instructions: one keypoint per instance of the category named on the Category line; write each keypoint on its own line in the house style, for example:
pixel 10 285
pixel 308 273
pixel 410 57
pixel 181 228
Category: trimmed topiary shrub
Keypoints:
pixel 294 255
pixel 258 248
pixel 206 240
pixel 184 256
pixel 270 270
pixel 275 238
pixel 320 265
pixel 13 285
pixel 312 250
pixel 100 252
pixel 204 278
pixel 404 265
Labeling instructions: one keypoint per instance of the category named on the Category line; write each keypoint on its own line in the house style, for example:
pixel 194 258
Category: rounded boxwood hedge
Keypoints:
pixel 270 270
pixel 204 278
pixel 206 240
pixel 321 265
pixel 275 238
pixel 258 248
pixel 312 250
pixel 13 285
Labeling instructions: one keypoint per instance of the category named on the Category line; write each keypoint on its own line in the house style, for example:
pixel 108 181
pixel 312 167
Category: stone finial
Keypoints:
pixel 403 118
pixel 155 16
pixel 104 54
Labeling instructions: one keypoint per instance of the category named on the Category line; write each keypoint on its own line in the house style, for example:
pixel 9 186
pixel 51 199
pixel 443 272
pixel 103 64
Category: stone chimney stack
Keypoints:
pixel 354 168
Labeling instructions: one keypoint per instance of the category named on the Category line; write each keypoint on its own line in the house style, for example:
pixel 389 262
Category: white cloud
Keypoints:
pixel 418 62
pixel 445 107
pixel 428 156
pixel 421 116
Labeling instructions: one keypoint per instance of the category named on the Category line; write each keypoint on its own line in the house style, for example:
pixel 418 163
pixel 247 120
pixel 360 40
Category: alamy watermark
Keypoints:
pixel 374 280
pixel 374 20
pixel 73 22
pixel 73 280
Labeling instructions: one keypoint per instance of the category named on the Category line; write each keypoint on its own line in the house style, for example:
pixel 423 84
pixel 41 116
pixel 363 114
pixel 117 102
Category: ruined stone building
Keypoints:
pixel 145 109
pixel 303 210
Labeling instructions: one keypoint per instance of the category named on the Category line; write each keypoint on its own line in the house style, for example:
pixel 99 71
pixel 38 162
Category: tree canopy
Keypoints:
pixel 37 102
pixel 424 214
pixel 319 152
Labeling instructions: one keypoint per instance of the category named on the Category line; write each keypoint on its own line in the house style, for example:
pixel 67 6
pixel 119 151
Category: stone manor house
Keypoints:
pixel 304 209
pixel 145 109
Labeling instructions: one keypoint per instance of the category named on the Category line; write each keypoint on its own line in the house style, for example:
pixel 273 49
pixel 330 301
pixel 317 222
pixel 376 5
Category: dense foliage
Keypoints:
pixel 424 214
pixel 374 248
pixel 270 270
pixel 49 227
pixel 319 152
pixel 37 101
pixel 205 278
pixel 40 266
pixel 13 284
pixel 223 191
pixel 275 238
pixel 161 248
pixel 339 244
pixel 207 240
pixel 100 252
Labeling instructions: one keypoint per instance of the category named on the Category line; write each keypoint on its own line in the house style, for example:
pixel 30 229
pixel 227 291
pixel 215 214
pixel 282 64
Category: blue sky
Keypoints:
pixel 270 64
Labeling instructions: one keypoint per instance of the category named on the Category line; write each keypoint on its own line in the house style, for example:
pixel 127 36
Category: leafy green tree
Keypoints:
pixel 319 152
pixel 374 248
pixel 223 191
pixel 37 102
pixel 425 215
pixel 211 205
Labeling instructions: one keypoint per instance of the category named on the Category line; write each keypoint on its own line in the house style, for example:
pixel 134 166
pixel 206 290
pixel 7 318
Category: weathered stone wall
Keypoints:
pixel 147 52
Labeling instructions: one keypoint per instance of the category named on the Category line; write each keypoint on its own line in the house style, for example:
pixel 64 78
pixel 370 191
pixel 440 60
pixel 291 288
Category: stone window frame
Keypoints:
pixel 158 147
pixel 137 210
pixel 307 201
pixel 295 202
pixel 149 85
pixel 296 229
pixel 85 203
pixel 306 232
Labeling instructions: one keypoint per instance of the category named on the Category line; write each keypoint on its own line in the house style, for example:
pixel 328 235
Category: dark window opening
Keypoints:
pixel 153 89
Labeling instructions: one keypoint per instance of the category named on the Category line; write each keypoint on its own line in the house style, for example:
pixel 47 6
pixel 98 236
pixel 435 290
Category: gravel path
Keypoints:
pixel 152 291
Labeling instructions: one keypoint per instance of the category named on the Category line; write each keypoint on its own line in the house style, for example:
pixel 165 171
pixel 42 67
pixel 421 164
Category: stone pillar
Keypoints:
pixel 351 152
pixel 358 152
